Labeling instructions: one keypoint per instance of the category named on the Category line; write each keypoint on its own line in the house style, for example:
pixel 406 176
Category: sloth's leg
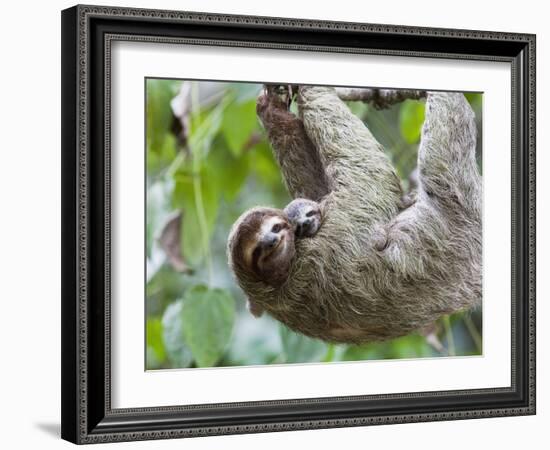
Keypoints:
pixel 447 166
pixel 443 227
pixel 355 162
pixel 301 167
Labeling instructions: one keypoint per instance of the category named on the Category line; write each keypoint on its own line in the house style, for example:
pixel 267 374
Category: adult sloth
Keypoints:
pixel 373 271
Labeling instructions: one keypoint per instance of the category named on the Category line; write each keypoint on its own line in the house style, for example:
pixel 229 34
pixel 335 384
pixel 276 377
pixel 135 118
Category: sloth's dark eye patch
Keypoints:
pixel 311 213
pixel 276 228
pixel 255 257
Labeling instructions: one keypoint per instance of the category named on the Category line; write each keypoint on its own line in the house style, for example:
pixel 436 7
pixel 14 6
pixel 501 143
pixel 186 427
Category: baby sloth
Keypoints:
pixel 262 241
pixel 304 216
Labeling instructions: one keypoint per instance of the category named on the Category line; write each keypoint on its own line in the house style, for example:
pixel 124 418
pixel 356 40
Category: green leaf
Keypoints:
pixel 159 115
pixel 204 127
pixel 239 121
pixel 364 352
pixel 474 98
pixel 162 288
pixel 173 336
pixel 263 164
pixel 207 316
pixel 231 171
pixel 299 348
pixel 155 347
pixel 411 346
pixel 411 118
pixel 185 198
pixel 360 109
pixel 153 163
pixel 254 341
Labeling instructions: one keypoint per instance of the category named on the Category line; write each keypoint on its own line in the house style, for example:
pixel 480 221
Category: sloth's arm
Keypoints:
pixel 353 159
pixel 298 159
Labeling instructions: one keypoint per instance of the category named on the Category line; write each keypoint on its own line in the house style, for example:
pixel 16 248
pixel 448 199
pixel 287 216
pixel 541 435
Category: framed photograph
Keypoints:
pixel 282 224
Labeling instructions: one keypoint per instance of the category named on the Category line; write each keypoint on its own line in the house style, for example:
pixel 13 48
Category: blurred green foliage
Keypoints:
pixel 207 167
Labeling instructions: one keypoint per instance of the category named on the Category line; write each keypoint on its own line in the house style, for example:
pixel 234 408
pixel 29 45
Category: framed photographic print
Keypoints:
pixel 282 224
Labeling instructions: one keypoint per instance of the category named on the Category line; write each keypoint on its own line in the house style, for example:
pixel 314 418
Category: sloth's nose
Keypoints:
pixel 270 240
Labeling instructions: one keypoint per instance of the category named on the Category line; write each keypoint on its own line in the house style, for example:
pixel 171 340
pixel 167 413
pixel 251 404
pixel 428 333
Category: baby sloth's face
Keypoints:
pixel 305 217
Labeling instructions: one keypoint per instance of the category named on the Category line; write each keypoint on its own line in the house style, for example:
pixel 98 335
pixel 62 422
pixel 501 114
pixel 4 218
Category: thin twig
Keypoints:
pixel 329 355
pixel 450 338
pixel 197 189
pixel 433 341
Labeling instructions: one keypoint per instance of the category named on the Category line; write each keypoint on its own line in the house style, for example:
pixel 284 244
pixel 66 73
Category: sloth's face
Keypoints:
pixel 271 251
pixel 261 245
pixel 305 217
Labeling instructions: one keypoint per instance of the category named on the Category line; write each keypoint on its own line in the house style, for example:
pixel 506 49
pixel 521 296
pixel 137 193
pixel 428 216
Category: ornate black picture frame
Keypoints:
pixel 87 34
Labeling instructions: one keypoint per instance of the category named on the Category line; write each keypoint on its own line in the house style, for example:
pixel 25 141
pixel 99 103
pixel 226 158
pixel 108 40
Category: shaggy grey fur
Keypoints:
pixel 374 271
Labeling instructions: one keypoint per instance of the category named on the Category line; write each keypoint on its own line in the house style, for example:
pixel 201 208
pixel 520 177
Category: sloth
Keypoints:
pixel 373 270
pixel 265 240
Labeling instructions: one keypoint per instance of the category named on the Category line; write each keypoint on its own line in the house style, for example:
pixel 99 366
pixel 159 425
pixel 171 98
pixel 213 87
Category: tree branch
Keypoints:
pixel 379 98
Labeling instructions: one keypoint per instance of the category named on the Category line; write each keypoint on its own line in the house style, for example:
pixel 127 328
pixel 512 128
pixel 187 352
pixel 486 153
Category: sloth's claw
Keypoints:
pixel 381 240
